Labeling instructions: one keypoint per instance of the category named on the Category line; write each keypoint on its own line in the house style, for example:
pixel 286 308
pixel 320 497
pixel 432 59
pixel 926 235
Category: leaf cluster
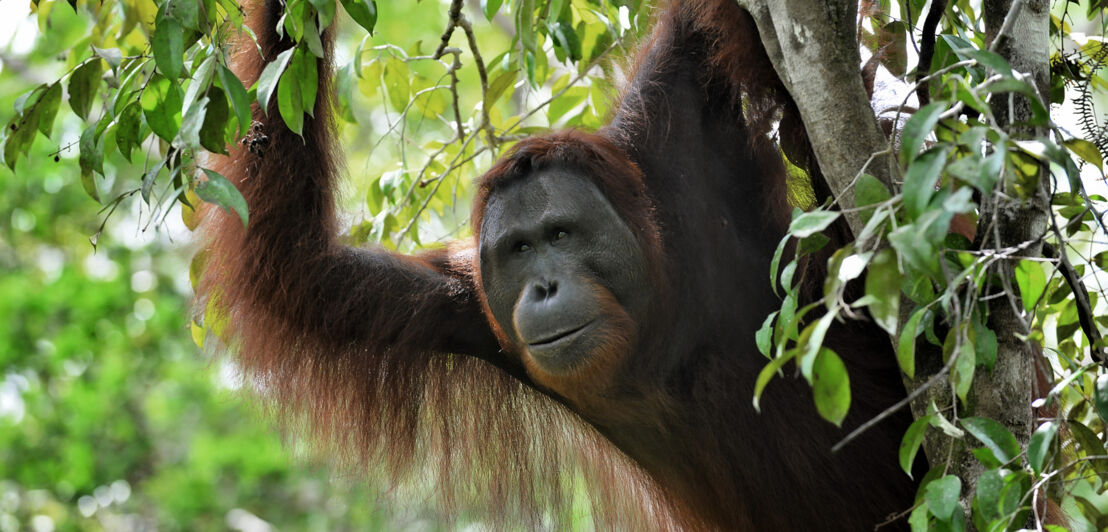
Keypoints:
pixel 929 266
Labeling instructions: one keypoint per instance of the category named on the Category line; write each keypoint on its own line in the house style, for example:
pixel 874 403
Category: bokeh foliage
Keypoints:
pixel 110 416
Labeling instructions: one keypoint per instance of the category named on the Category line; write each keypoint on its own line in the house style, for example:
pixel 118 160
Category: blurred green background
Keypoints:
pixel 110 416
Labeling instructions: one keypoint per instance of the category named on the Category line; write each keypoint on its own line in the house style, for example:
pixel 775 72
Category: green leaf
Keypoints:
pixel 199 82
pixel 240 101
pixel 1040 445
pixel 91 160
pixel 47 108
pixel 911 442
pixel 851 266
pixel 909 241
pixel 556 7
pixel 764 337
pixel 88 182
pixel 812 244
pixel 1087 151
pixel 774 265
pixel 917 128
pixel 921 178
pixel 831 387
pixel 527 61
pixel 364 12
pixel 565 39
pixel 83 85
pixel 811 341
pixel 994 61
pixel 303 68
pixel 787 274
pixel 168 43
pixel 1039 114
pixel 501 84
pixel 812 222
pixel 906 346
pixel 940 422
pixel 525 26
pixel 918 520
pixel 569 100
pixel 290 103
pixel 1090 444
pixel 217 190
pixel 26 101
pixel 995 437
pixel 1012 496
pixel 397 78
pixel 213 133
pixel 989 486
pixel 986 457
pixel 604 39
pixel 187 12
pixel 985 344
pixel 1100 396
pixel 113 56
pixel 490 7
pixel 161 105
pixel 130 126
pixel 129 85
pixel 787 322
pixel 326 10
pixel 962 373
pixel 344 88
pixel 833 281
pixel 968 169
pixel 192 122
pixel 197 333
pixel 21 135
pixel 767 373
pixel 883 285
pixel 148 179
pixel 312 39
pixel 941 495
pixel 292 23
pixel 1031 281
pixel 869 191
pixel 271 75
pixel 966 50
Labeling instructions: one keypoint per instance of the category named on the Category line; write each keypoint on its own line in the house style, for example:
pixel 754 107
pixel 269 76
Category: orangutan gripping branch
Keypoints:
pixel 601 319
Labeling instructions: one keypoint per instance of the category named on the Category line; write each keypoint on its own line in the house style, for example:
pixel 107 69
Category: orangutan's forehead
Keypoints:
pixel 547 194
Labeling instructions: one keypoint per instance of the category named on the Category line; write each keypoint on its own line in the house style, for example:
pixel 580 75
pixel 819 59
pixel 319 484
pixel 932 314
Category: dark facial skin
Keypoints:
pixel 558 266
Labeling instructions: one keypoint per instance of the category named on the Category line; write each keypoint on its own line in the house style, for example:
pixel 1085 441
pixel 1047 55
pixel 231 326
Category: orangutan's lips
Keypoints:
pixel 558 337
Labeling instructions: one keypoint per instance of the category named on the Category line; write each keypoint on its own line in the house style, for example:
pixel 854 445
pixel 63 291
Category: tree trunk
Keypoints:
pixel 1007 221
pixel 814 49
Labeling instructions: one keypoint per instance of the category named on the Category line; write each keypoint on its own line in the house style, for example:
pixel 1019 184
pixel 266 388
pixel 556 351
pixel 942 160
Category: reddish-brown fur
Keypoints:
pixel 351 344
pixel 297 318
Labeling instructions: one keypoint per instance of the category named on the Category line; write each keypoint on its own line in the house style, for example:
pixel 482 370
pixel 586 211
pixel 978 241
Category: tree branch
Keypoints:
pixel 927 49
pixel 813 48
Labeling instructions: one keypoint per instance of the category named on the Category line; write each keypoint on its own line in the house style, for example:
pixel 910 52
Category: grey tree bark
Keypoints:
pixel 814 49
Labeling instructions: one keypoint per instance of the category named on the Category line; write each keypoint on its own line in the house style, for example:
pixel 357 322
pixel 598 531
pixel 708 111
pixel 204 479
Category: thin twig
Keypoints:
pixel 453 72
pixel 1080 294
pixel 894 408
pixel 482 72
pixel 455 15
pixel 927 49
